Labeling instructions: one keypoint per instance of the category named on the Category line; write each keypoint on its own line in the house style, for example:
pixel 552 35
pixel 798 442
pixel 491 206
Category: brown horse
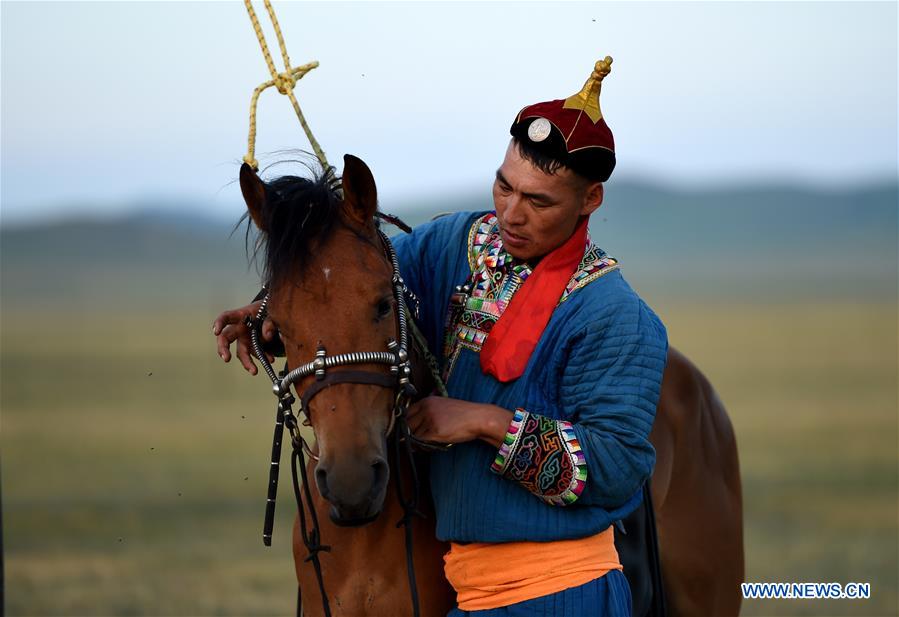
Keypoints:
pixel 330 284
pixel 696 494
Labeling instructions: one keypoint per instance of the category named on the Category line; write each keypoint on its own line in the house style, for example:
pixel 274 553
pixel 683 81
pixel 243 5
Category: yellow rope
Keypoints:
pixel 284 82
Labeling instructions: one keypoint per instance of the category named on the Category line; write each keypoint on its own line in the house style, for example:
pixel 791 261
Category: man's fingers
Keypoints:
pixel 424 433
pixel 268 330
pixel 223 342
pixel 228 335
pixel 234 316
pixel 413 410
pixel 415 418
pixel 243 354
pixel 225 319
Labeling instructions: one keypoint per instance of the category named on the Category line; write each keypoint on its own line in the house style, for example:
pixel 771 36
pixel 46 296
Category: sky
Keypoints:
pixel 110 106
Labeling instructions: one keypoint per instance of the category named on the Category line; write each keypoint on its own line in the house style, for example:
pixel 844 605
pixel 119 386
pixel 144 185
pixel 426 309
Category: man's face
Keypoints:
pixel 538 211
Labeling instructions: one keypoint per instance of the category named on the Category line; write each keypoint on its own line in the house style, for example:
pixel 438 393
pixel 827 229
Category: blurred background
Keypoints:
pixel 754 207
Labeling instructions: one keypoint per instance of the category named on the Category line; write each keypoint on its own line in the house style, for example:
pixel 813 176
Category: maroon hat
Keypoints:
pixel 572 131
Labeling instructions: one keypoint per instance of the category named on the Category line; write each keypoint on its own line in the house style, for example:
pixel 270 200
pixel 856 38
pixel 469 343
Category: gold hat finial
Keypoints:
pixel 587 100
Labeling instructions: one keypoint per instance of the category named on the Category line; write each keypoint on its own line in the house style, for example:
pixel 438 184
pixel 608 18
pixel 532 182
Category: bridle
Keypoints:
pixel 399 380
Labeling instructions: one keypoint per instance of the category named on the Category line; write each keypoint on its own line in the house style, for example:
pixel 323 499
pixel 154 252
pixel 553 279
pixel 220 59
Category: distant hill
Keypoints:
pixel 141 260
pixel 736 243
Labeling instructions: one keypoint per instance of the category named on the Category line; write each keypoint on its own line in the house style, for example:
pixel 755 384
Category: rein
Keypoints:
pixel 399 380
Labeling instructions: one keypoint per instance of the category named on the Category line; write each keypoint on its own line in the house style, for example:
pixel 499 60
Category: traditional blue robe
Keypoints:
pixel 577 452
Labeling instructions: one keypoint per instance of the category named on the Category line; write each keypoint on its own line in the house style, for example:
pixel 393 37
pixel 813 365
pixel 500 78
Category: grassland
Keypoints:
pixel 134 460
pixel 133 471
pixel 811 390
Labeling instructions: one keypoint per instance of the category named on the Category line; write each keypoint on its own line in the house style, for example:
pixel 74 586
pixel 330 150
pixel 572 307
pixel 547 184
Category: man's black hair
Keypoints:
pixel 544 162
pixel 551 163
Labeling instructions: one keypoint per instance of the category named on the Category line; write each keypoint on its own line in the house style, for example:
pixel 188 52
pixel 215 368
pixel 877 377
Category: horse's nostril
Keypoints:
pixel 321 479
pixel 381 472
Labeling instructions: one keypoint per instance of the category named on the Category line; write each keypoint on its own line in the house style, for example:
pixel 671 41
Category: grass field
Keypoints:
pixel 812 394
pixel 133 459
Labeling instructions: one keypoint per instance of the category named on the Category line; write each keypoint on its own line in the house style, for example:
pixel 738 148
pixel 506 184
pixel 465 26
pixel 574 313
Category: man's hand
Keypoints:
pixel 449 420
pixel 230 327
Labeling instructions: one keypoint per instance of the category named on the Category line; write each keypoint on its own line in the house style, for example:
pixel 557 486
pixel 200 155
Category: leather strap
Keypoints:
pixel 335 377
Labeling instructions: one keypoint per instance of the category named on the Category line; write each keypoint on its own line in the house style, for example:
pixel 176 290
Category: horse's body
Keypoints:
pixel 696 494
pixel 343 274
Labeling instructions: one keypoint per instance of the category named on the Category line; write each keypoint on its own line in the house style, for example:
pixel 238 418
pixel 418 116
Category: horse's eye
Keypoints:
pixel 384 308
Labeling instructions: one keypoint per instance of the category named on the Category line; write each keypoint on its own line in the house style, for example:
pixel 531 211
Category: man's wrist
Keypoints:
pixel 492 424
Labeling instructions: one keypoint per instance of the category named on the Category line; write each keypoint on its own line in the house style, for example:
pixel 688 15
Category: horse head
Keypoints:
pixel 331 291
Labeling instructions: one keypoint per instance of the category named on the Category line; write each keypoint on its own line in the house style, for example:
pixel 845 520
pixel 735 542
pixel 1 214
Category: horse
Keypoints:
pixel 330 287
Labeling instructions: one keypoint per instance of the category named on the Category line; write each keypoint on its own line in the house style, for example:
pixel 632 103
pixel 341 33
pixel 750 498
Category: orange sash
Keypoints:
pixel 491 575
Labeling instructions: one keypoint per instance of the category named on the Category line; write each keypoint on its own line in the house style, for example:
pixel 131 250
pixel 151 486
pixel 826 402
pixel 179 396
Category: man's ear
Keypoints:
pixel 592 198
pixel 253 190
pixel 360 196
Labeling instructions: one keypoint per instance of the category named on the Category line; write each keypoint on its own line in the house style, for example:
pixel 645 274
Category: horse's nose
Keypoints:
pixel 353 486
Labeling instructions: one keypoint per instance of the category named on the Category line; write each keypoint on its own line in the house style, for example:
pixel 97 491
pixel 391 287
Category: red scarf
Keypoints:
pixel 515 334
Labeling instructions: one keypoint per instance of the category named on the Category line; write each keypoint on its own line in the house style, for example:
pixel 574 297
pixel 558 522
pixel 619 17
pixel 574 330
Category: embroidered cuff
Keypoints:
pixel 544 456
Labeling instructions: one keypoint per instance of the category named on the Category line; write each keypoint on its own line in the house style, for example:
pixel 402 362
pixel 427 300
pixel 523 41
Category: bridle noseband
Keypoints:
pixel 398 380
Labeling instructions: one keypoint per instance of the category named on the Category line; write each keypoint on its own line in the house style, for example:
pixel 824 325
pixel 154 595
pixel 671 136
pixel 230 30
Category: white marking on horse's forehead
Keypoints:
pixel 327 273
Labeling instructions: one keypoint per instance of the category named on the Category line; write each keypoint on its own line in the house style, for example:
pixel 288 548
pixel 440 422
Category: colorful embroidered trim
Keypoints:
pixel 509 442
pixel 544 456
pixel 495 278
pixel 594 265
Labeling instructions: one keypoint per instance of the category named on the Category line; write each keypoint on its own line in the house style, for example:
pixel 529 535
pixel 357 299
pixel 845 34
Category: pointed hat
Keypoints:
pixel 572 130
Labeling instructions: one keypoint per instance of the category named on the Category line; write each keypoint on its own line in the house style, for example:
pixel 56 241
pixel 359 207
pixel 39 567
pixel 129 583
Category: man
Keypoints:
pixel 553 366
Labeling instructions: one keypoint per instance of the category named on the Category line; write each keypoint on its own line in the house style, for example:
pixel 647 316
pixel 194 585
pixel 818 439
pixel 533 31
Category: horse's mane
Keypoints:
pixel 299 214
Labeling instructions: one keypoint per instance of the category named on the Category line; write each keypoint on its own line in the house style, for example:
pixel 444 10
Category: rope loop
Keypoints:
pixel 284 82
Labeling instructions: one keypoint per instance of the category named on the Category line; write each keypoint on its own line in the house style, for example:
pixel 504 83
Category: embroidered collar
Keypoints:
pixel 486 248
pixel 486 252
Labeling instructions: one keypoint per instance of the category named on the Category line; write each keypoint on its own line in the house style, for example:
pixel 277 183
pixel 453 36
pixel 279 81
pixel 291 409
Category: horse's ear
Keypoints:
pixel 360 196
pixel 253 190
